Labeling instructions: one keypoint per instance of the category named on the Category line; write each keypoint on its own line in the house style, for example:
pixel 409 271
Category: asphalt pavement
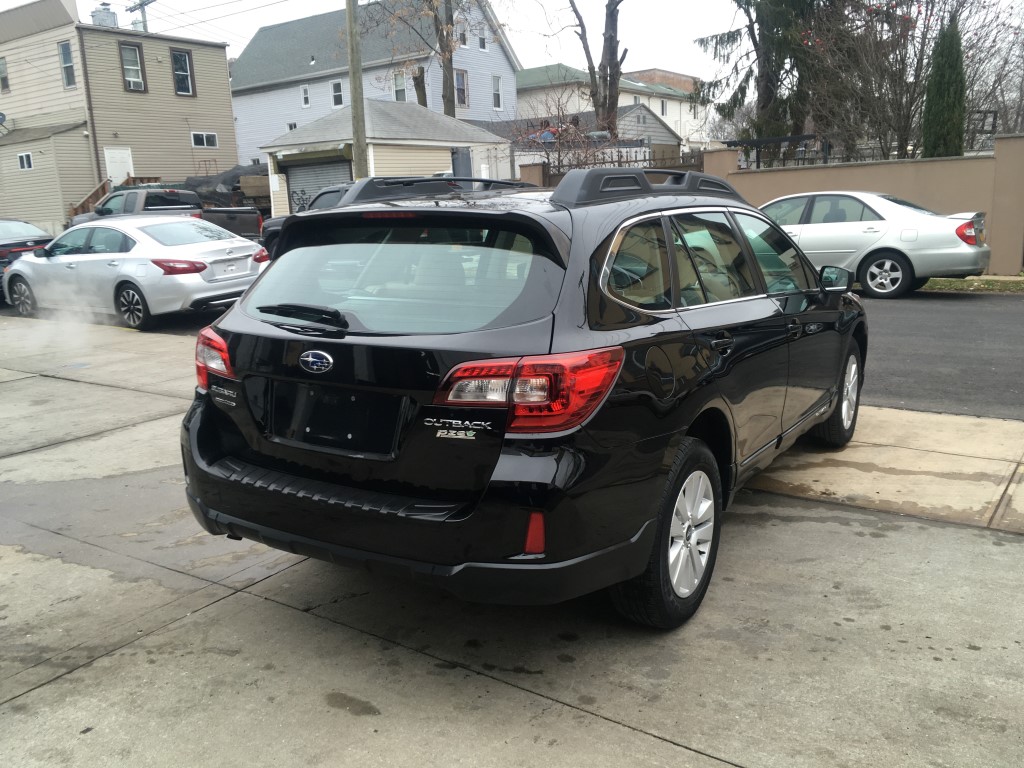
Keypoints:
pixel 864 609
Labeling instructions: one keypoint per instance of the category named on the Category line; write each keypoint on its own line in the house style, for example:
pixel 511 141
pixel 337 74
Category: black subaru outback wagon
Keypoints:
pixel 521 395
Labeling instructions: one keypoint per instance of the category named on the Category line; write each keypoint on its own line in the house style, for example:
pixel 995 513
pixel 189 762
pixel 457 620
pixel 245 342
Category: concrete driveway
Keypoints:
pixel 865 609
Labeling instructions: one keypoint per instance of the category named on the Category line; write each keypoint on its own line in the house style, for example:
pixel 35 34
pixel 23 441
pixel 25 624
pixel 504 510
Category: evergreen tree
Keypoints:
pixel 946 98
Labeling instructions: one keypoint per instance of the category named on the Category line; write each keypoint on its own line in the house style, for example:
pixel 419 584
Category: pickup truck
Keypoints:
pixel 246 222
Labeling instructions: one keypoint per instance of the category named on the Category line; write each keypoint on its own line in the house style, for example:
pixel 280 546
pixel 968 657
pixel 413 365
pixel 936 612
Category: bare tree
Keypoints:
pixel 604 78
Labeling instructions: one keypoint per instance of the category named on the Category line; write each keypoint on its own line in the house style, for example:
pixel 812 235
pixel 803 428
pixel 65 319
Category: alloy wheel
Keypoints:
pixel 22 298
pixel 851 391
pixel 885 275
pixel 131 307
pixel 691 534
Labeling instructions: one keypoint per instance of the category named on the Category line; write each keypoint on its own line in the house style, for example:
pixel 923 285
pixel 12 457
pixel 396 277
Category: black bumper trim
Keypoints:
pixel 212 301
pixel 506 583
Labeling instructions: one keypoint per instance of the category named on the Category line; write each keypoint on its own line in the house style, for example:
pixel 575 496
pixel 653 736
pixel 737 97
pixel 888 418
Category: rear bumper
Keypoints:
pixel 511 583
pixel 960 261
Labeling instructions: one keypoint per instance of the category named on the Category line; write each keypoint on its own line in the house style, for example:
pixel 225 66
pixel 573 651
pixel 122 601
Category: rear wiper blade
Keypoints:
pixel 327 315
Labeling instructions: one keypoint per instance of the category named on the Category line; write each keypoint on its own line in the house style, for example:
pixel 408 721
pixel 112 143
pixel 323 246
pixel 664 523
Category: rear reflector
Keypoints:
pixel 535 544
pixel 260 256
pixel 966 233
pixel 544 393
pixel 179 267
pixel 211 355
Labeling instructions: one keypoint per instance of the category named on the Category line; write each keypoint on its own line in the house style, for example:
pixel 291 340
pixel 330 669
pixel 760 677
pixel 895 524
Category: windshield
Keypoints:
pixel 11 230
pixel 908 204
pixel 186 232
pixel 413 278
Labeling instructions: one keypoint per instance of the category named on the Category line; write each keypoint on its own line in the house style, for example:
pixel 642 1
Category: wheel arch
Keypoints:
pixel 713 427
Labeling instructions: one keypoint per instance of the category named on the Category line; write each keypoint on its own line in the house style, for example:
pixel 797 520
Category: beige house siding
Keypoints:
pixel 37 94
pixel 390 160
pixel 157 124
pixel 28 194
pixel 77 171
pixel 948 185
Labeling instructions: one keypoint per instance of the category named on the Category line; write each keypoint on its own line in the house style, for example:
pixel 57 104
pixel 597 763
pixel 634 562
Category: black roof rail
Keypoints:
pixel 376 188
pixel 600 185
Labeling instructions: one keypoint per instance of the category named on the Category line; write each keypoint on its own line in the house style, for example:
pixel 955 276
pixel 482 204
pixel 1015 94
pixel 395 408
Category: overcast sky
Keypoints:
pixel 657 33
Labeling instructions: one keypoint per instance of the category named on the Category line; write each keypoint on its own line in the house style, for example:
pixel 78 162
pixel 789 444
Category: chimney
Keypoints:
pixel 104 17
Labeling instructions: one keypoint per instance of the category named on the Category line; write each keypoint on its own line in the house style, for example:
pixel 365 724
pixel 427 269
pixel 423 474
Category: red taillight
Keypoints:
pixel 966 233
pixel 259 223
pixel 179 267
pixel 534 544
pixel 196 215
pixel 211 355
pixel 544 393
pixel 260 256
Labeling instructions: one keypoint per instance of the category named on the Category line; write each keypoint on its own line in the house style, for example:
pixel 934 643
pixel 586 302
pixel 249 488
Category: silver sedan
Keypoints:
pixel 135 268
pixel 891 245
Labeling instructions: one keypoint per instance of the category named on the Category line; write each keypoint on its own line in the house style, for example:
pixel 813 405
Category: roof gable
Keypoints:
pixel 39 16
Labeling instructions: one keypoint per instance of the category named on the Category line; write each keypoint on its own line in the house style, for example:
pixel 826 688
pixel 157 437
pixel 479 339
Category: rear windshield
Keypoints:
pixel 907 204
pixel 411 277
pixel 186 232
pixel 170 198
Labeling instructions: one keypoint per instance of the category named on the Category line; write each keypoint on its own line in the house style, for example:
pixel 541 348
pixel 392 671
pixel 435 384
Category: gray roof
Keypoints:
pixel 283 52
pixel 21 135
pixel 519 130
pixel 39 16
pixel 386 121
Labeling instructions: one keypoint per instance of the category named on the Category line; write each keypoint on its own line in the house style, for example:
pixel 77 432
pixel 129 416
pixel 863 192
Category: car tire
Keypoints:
pixel 837 430
pixel 689 523
pixel 886 275
pixel 22 298
pixel 919 283
pixel 131 307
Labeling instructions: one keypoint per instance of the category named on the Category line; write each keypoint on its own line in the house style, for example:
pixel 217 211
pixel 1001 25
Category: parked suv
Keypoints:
pixel 521 395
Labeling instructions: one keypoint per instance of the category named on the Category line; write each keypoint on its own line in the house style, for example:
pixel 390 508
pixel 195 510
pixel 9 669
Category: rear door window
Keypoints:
pixel 836 209
pixel 638 271
pixel 187 231
pixel 722 269
pixel 413 276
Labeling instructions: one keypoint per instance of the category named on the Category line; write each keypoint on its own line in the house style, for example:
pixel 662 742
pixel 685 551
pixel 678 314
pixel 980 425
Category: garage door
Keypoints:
pixel 304 181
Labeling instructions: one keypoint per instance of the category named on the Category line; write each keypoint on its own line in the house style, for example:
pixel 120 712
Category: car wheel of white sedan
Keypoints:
pixel 132 308
pixel 22 298
pixel 886 275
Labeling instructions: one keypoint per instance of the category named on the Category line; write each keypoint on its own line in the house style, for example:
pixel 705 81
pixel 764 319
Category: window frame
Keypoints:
pixel 205 135
pixel 497 97
pixel 5 76
pixel 305 101
pixel 121 46
pixel 191 72
pixel 465 88
pixel 404 89
pixel 292 126
pixel 67 67
pixel 337 94
pixel 25 161
pixel 664 107
pixel 462 34
pixel 482 42
pixel 752 267
pixel 615 242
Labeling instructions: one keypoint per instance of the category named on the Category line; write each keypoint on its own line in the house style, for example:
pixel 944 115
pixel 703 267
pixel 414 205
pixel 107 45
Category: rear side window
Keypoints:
pixel 638 272
pixel 327 199
pixel 106 240
pixel 418 276
pixel 787 212
pixel 186 232
pixel 715 250
pixel 836 209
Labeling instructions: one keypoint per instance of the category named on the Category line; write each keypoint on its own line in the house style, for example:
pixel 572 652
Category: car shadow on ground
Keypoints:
pixel 177 324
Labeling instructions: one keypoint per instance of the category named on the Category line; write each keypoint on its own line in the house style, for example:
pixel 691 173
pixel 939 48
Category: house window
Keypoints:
pixel 131 67
pixel 25 161
pixel 461 34
pixel 461 88
pixel 337 99
pixel 664 108
pixel 636 99
pixel 400 86
pixel 292 126
pixel 496 90
pixel 184 78
pixel 254 160
pixel 483 42
pixel 304 95
pixel 67 64
pixel 5 82
pixel 205 140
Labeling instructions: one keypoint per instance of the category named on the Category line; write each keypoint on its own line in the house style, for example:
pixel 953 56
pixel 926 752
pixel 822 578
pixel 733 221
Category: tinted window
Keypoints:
pixel 638 272
pixel 723 269
pixel 691 292
pixel 186 232
pixel 10 230
pixel 71 243
pixel 170 198
pixel 327 199
pixel 787 212
pixel 908 204
pixel 115 203
pixel 408 277
pixel 836 209
pixel 784 271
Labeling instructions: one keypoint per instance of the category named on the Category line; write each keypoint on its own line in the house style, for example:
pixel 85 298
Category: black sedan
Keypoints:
pixel 18 237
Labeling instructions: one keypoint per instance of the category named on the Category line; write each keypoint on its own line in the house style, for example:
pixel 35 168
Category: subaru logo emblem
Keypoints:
pixel 316 361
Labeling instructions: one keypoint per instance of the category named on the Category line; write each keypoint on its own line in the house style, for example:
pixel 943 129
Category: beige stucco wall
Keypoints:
pixel 993 184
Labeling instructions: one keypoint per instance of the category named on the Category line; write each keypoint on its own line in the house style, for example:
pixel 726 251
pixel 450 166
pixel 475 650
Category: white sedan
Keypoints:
pixel 135 268
pixel 892 246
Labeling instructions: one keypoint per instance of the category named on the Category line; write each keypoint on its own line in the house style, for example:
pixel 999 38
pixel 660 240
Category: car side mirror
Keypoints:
pixel 103 211
pixel 836 279
pixel 40 253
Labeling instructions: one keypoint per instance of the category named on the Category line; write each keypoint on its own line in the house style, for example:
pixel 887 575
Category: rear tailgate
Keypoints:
pixel 245 222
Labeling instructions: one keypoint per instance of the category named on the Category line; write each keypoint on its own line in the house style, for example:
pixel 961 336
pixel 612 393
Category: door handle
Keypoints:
pixel 722 343
pixel 793 328
pixel 70 266
pixel 870 230
pixel 113 263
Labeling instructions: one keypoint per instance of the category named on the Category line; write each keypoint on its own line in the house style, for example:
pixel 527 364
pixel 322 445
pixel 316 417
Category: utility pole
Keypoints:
pixel 141 8
pixel 355 87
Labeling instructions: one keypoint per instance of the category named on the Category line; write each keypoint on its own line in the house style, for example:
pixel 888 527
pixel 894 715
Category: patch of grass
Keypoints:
pixel 976 285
